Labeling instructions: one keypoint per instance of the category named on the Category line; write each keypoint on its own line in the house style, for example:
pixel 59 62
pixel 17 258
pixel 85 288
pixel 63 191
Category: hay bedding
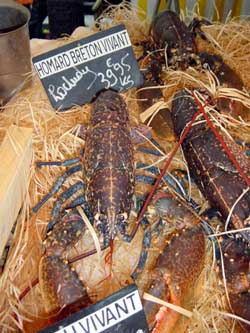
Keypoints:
pixel 53 139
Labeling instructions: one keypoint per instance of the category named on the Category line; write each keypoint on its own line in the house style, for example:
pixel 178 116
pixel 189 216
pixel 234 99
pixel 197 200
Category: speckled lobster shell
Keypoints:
pixel 108 164
pixel 216 175
pixel 169 31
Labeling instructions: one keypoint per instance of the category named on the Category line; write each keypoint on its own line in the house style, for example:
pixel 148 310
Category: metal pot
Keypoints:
pixel 15 59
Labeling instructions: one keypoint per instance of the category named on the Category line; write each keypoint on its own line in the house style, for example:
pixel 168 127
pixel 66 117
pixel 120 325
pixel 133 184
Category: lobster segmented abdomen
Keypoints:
pixel 108 147
pixel 217 177
pixel 209 164
pixel 109 164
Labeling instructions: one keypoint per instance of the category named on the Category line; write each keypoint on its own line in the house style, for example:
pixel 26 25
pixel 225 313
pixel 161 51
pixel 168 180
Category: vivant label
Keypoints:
pixel 74 73
pixel 124 314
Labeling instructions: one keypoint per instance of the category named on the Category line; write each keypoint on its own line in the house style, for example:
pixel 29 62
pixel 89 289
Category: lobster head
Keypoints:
pixel 111 223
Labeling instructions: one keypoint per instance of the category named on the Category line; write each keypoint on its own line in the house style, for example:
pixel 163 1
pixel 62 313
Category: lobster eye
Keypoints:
pixel 122 222
pixel 100 218
pixel 122 217
pixel 101 222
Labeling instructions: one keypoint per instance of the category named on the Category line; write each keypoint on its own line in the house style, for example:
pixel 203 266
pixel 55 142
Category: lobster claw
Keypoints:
pixel 173 278
pixel 69 292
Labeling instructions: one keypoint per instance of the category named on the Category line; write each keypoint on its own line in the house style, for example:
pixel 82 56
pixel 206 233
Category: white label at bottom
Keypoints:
pixel 107 316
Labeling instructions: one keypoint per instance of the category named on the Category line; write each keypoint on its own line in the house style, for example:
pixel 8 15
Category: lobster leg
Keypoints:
pixel 149 151
pixel 152 151
pixel 57 185
pixel 155 232
pixel 56 210
pixel 65 163
pixel 195 27
pixel 156 171
pixel 145 247
pixel 245 147
pixel 174 179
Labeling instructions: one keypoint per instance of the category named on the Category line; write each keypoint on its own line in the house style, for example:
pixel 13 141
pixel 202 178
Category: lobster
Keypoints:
pixel 108 189
pixel 168 32
pixel 169 38
pixel 106 196
pixel 221 179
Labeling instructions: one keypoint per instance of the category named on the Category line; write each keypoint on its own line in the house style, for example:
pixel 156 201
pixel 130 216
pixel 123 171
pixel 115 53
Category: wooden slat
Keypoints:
pixel 15 157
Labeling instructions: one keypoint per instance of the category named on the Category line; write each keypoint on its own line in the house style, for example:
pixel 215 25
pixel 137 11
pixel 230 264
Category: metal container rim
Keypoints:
pixel 22 9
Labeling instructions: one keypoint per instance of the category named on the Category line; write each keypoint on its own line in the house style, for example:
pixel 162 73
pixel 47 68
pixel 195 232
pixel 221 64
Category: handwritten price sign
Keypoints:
pixel 74 73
